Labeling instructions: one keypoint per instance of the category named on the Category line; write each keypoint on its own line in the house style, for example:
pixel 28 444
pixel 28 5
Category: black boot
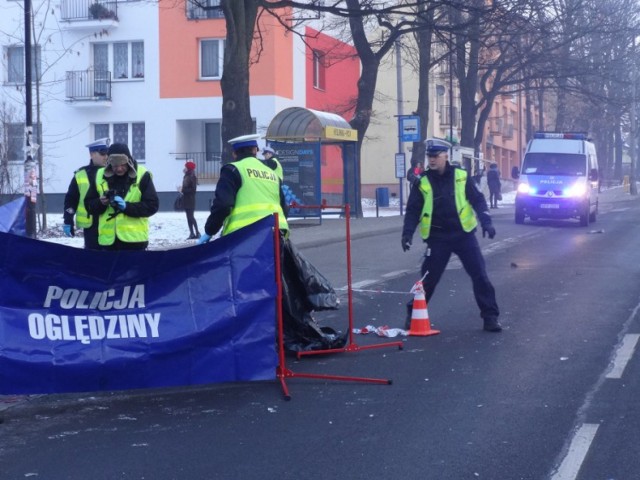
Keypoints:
pixel 491 324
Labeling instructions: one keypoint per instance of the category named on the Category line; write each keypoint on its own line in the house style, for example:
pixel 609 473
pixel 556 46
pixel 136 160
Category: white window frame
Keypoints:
pixel 36 64
pixel 319 69
pixel 130 140
pixel 111 62
pixel 220 42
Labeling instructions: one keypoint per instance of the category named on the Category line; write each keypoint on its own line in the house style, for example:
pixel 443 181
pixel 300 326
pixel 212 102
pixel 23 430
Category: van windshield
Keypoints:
pixel 554 164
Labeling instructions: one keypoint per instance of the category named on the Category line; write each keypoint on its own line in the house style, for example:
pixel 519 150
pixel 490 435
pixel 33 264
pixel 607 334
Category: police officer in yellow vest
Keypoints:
pixel 247 191
pixel 124 198
pixel 442 203
pixel 272 161
pixel 82 180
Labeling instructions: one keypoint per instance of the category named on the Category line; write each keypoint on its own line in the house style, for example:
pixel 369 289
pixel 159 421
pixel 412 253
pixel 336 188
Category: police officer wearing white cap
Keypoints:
pixel 247 191
pixel 272 161
pixel 81 182
pixel 442 204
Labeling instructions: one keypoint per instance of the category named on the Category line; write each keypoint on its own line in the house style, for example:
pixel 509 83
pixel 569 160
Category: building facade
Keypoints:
pixel 148 74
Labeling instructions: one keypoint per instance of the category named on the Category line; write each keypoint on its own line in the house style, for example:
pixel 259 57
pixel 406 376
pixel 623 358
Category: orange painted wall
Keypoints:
pixel 341 90
pixel 271 75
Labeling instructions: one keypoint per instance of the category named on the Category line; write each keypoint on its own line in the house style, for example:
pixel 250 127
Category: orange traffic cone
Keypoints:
pixel 420 324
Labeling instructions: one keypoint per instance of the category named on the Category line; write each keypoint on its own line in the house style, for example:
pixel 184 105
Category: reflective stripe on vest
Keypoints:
pixel 258 197
pixel 465 211
pixel 127 229
pixel 83 219
pixel 279 171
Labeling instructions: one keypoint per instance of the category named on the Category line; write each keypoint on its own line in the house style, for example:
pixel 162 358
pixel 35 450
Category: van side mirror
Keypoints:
pixel 593 174
pixel 515 172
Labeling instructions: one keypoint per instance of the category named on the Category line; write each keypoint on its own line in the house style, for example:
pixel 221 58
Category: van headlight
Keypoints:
pixel 525 188
pixel 577 190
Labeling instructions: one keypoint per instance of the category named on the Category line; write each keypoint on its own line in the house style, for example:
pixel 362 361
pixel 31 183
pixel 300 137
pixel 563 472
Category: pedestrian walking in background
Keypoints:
pixel 124 198
pixel 83 179
pixel 414 172
pixel 443 205
pixel 188 191
pixel 494 184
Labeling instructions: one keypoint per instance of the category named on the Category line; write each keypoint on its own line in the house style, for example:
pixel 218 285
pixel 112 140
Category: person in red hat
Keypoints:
pixel 188 190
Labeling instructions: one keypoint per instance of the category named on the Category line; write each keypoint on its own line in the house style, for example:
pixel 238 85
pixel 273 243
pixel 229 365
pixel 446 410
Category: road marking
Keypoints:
pixel 397 273
pixel 623 355
pixel 363 283
pixel 578 449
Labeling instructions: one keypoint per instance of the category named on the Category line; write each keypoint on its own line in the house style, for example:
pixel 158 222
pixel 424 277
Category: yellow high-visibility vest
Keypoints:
pixel 83 219
pixel 127 229
pixel 258 197
pixel 463 207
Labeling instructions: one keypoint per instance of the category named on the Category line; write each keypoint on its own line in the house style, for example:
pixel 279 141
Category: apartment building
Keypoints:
pixel 148 74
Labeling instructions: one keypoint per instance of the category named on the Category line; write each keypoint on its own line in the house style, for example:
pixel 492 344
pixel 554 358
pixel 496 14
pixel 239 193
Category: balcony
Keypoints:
pixel 448 114
pixel 89 14
pixel 207 164
pixel 203 9
pixel 88 87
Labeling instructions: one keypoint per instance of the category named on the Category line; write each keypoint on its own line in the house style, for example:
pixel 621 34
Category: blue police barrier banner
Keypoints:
pixel 13 217
pixel 75 320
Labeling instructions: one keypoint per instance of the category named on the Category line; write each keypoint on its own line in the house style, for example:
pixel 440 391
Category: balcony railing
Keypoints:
pixel 203 9
pixel 88 85
pixel 207 164
pixel 76 10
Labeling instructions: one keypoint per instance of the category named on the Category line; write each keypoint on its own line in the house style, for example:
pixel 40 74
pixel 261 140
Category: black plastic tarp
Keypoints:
pixel 305 290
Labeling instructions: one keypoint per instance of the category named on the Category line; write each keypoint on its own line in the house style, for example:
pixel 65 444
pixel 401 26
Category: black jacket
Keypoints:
pixel 72 198
pixel 189 187
pixel 445 218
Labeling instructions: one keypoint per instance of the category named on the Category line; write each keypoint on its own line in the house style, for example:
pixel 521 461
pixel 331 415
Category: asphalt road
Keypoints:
pixel 551 397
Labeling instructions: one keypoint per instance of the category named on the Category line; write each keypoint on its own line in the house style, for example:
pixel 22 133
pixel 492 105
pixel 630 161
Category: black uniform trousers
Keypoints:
pixel 91 237
pixel 466 247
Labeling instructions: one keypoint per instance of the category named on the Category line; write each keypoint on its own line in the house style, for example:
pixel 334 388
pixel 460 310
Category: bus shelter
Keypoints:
pixel 298 136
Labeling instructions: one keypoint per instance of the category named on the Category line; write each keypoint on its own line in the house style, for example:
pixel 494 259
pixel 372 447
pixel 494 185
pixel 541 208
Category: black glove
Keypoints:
pixel 488 230
pixel 406 242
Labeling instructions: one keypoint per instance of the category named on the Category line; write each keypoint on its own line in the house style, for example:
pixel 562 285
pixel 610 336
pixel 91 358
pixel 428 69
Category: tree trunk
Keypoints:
pixel 424 39
pixel 617 164
pixel 364 104
pixel 240 17
pixel 466 69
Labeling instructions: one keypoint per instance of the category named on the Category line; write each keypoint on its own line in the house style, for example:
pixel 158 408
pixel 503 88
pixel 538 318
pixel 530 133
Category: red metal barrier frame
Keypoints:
pixel 282 372
pixel 351 345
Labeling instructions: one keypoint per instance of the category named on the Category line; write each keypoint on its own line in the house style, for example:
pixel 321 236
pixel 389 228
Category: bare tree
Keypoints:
pixel 240 19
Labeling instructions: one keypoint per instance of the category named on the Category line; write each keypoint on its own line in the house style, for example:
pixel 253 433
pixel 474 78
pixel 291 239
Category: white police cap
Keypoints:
pixel 434 146
pixel 244 141
pixel 102 144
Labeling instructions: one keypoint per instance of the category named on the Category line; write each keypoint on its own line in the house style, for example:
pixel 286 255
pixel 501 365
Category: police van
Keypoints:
pixel 559 178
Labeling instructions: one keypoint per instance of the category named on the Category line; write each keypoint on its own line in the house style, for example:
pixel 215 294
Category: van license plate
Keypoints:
pixel 549 205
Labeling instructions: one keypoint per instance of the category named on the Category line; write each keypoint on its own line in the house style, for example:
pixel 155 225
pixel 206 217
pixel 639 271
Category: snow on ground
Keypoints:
pixel 170 230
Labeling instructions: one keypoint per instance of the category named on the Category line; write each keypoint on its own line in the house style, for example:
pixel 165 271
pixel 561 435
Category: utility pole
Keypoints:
pixel 400 113
pixel 30 175
pixel 633 189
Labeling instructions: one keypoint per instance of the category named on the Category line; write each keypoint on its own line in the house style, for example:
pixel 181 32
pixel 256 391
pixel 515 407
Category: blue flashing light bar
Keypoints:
pixel 562 135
